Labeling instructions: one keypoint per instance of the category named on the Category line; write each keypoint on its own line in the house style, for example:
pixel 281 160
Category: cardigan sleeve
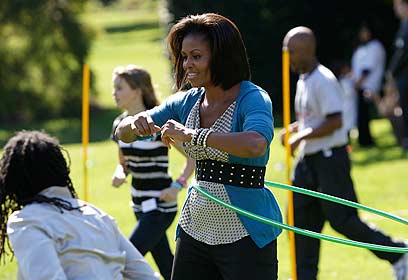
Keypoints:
pixel 256 114
pixel 175 107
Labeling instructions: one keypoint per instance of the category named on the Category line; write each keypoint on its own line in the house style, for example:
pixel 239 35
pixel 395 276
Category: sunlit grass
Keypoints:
pixel 128 36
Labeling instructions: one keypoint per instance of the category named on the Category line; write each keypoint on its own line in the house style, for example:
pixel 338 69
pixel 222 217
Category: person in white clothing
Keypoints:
pixel 368 63
pixel 323 163
pixel 344 75
pixel 53 234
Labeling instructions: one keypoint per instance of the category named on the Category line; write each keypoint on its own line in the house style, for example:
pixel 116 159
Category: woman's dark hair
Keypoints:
pixel 229 61
pixel 32 161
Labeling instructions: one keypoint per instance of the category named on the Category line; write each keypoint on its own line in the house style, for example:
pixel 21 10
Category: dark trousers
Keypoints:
pixel 329 174
pixel 402 84
pixel 242 259
pixel 363 120
pixel 149 235
pixel 397 124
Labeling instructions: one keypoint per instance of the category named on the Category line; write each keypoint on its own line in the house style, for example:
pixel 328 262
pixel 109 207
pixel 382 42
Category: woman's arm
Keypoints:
pixel 119 176
pixel 132 127
pixel 189 165
pixel 247 144
pixel 170 194
pixel 254 124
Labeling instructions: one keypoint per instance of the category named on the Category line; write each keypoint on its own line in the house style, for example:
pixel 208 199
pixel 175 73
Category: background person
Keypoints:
pixel 323 164
pixel 226 124
pixel 344 75
pixel 53 234
pixel 398 67
pixel 154 195
pixel 367 63
pixel 388 106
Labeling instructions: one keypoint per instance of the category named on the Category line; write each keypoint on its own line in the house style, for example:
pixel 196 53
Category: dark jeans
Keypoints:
pixel 149 235
pixel 363 120
pixel 242 259
pixel 402 84
pixel 329 175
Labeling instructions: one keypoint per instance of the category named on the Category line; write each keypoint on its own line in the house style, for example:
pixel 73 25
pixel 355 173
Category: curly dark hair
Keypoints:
pixel 32 161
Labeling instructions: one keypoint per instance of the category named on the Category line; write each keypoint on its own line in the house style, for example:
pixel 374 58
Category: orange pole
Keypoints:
pixel 85 125
pixel 286 123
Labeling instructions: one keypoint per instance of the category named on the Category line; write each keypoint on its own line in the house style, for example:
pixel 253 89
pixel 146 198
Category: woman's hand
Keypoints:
pixel 143 125
pixel 118 181
pixel 119 177
pixel 173 131
pixel 130 128
pixel 169 194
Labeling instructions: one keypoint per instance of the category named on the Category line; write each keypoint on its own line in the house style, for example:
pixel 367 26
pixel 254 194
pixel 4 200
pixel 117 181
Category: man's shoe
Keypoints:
pixel 400 268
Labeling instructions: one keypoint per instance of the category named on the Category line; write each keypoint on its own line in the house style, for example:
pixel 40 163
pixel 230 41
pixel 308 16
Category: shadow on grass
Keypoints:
pixel 385 150
pixel 132 27
pixel 378 154
pixel 69 131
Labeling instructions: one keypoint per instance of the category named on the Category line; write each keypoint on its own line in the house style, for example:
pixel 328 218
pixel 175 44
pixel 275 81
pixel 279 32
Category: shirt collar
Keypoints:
pixel 304 76
pixel 56 191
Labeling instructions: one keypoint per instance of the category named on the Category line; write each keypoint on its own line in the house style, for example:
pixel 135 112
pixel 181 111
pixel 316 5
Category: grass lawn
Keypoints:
pixel 133 35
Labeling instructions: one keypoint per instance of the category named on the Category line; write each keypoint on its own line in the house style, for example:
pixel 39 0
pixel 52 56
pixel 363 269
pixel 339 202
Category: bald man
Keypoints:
pixel 323 164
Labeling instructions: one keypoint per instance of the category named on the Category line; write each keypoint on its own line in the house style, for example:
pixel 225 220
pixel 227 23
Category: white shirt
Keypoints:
pixel 350 102
pixel 319 94
pixel 77 244
pixel 369 56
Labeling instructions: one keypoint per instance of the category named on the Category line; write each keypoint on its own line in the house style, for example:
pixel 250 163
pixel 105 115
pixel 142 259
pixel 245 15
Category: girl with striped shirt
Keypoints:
pixel 154 195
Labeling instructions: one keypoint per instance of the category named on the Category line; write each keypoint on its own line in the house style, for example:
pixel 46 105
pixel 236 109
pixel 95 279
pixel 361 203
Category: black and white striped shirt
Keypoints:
pixel 147 161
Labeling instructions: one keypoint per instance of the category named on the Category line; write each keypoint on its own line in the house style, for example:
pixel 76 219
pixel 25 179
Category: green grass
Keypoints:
pixel 126 36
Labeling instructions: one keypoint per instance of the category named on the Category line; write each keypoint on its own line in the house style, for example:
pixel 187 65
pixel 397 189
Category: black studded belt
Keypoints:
pixel 237 175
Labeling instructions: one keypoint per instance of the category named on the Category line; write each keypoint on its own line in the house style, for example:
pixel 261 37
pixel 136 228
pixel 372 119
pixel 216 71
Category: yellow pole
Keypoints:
pixel 286 122
pixel 85 125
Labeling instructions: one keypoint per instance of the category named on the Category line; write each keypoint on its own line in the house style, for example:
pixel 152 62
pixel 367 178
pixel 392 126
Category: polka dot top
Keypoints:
pixel 205 220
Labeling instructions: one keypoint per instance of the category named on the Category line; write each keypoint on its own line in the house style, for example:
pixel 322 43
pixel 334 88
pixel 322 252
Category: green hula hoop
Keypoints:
pixel 308 232
pixel 337 200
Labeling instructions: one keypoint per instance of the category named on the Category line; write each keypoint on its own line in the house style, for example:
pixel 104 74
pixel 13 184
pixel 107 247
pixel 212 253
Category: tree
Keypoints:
pixel 264 23
pixel 42 51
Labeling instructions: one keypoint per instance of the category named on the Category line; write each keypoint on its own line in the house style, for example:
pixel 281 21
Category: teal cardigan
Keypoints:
pixel 253 112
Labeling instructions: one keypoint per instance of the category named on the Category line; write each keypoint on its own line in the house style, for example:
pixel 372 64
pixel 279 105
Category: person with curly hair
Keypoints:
pixel 53 234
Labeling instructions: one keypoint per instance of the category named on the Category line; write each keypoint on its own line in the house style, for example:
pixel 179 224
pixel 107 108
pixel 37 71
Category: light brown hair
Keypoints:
pixel 137 77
